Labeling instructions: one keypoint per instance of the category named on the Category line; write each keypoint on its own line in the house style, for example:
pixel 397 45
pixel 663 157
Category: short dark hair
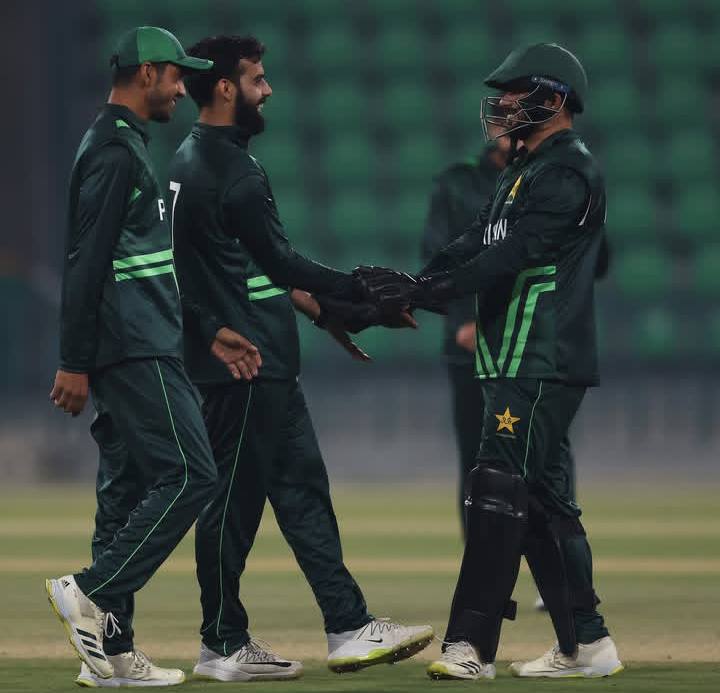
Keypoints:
pixel 122 76
pixel 225 52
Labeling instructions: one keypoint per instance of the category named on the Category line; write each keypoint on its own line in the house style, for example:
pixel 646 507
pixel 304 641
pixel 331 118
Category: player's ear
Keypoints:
pixel 225 89
pixel 145 74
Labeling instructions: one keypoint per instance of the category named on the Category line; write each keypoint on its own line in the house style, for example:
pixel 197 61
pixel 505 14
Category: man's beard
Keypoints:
pixel 159 107
pixel 248 116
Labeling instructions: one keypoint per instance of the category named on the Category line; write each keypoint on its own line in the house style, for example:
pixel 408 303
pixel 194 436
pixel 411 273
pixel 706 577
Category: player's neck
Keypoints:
pixel 124 97
pixel 557 124
pixel 221 117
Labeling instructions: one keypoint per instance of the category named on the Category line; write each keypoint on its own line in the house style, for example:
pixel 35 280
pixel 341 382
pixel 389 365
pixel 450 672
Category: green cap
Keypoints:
pixel 542 60
pixel 151 44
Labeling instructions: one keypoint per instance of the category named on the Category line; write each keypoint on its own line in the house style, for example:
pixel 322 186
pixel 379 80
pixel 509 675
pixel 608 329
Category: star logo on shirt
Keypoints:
pixel 511 195
pixel 506 421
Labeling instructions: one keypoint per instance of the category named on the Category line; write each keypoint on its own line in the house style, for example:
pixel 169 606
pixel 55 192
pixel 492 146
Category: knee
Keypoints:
pixel 202 481
pixel 490 488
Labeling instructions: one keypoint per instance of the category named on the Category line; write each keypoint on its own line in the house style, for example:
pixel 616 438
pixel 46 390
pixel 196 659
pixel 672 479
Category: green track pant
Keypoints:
pixel 155 474
pixel 265 447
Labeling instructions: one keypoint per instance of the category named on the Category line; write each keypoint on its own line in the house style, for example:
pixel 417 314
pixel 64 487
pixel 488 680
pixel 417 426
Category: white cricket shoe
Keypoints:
pixel 131 669
pixel 84 622
pixel 378 642
pixel 596 659
pixel 460 661
pixel 250 663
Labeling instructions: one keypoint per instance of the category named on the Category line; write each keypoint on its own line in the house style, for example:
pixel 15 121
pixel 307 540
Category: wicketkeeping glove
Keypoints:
pixel 395 290
pixel 356 316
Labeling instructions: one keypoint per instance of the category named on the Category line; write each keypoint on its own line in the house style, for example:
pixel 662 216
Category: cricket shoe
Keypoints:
pixel 131 669
pixel 378 642
pixel 83 621
pixel 539 604
pixel 252 662
pixel 594 660
pixel 460 661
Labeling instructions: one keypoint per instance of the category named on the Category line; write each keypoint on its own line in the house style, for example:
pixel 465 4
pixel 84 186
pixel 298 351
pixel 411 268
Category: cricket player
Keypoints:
pixel 531 259
pixel 121 341
pixel 236 270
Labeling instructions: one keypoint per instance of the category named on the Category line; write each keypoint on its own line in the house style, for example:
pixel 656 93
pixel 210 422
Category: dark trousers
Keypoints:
pixel 155 474
pixel 468 405
pixel 265 447
pixel 525 432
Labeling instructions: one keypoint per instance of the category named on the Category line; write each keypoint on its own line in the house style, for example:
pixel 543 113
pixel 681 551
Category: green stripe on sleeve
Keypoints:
pixel 267 293
pixel 147 272
pixel 486 356
pixel 255 282
pixel 119 123
pixel 138 260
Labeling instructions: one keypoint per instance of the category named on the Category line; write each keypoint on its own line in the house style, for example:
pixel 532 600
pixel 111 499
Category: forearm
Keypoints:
pixel 305 303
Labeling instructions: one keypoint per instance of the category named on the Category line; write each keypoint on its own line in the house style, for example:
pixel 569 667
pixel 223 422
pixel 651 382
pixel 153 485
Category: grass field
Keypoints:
pixel 657 555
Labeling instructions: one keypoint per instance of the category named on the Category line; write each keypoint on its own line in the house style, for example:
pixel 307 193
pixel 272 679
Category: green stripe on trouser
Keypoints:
pixel 538 448
pixel 268 450
pixel 156 472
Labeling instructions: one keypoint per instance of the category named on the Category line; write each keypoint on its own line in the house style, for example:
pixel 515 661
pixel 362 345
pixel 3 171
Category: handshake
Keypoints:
pixel 383 296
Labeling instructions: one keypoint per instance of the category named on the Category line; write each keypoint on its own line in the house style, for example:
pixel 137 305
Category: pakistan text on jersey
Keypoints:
pixel 495 232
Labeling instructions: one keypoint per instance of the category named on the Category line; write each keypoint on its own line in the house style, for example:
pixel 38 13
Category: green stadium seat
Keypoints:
pixel 350 159
pixel 276 38
pixel 416 159
pixel 407 105
pixel 654 334
pixel 399 48
pixel 697 212
pixel 297 216
pixel 534 31
pixel 318 11
pixel 583 11
pixel 666 11
pixel 406 215
pixel 629 160
pixel 338 106
pixel 688 156
pixel 281 156
pixel 469 51
pixel 632 216
pixel 282 110
pixel 333 49
pixel 706 271
pixel 677 48
pixel 614 104
pixel 354 217
pixel 381 10
pixel 682 101
pixel 467 101
pixel 643 273
pixel 604 49
pixel 710 334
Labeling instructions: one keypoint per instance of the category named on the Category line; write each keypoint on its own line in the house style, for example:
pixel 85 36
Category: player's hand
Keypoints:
pixel 354 317
pixel 240 356
pixel 466 336
pixel 70 392
pixel 391 289
pixel 343 339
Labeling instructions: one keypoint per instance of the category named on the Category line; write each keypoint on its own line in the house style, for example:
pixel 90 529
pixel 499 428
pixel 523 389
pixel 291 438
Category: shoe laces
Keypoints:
pixel 555 658
pixel 111 626
pixel 380 625
pixel 458 652
pixel 140 662
pixel 255 651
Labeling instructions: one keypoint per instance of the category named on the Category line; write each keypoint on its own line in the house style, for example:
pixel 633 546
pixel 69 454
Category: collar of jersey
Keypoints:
pixel 235 133
pixel 130 117
pixel 555 138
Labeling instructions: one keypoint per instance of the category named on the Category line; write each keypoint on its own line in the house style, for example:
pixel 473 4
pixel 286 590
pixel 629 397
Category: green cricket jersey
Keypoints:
pixel 532 261
pixel 119 296
pixel 235 263
pixel 458 196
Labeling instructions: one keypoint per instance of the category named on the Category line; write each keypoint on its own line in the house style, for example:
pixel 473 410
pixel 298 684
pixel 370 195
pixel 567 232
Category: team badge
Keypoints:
pixel 506 421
